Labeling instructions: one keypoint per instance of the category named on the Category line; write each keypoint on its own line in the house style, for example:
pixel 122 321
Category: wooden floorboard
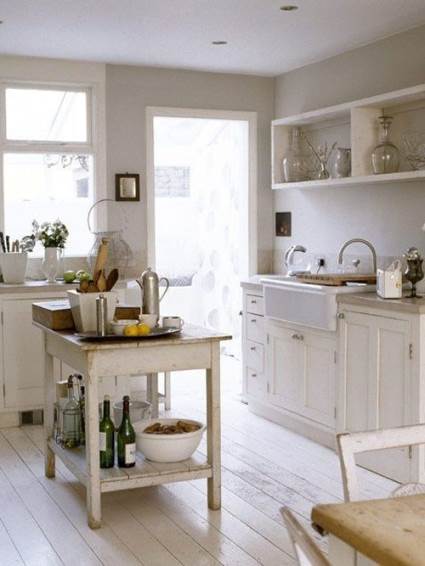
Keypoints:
pixel 43 521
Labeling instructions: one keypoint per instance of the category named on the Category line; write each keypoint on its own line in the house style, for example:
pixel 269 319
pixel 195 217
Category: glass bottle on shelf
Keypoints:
pixel 385 156
pixel 126 438
pixel 71 418
pixel 106 437
pixel 295 163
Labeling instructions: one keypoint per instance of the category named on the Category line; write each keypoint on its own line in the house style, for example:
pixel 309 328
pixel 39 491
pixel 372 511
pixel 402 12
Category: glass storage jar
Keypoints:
pixel 295 163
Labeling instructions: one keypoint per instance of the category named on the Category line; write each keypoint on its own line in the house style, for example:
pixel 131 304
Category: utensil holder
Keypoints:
pixel 83 308
pixel 14 266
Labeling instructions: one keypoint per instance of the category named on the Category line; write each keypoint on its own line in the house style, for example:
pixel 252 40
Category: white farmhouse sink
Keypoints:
pixel 289 300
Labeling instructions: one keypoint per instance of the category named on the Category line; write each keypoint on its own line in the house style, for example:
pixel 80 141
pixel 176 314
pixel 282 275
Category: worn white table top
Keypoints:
pixel 191 334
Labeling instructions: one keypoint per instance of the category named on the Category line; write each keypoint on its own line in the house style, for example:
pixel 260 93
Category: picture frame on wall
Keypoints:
pixel 127 187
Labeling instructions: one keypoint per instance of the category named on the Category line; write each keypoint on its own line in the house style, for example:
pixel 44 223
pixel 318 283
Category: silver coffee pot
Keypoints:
pixel 149 284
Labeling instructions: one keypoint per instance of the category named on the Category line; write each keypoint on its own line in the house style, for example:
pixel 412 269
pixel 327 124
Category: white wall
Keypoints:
pixel 129 90
pixel 391 217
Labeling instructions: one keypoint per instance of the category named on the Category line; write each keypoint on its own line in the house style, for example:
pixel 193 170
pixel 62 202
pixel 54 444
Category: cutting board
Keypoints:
pixel 56 315
pixel 337 279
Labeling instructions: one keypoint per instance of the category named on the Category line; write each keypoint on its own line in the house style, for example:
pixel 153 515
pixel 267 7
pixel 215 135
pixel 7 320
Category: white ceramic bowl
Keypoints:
pixel 139 411
pixel 117 326
pixel 168 447
pixel 14 266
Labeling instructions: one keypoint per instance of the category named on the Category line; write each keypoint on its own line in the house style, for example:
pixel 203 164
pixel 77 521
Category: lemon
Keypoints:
pixel 143 329
pixel 131 330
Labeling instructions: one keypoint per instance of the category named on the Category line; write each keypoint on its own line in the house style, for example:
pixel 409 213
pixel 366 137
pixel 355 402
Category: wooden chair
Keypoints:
pixel 350 444
pixel 305 549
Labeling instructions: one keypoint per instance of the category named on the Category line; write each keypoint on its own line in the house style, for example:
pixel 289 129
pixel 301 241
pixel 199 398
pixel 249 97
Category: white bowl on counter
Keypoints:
pixel 168 447
pixel 117 326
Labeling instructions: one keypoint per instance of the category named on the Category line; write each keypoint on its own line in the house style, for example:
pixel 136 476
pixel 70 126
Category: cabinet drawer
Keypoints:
pixel 255 304
pixel 255 328
pixel 255 384
pixel 255 356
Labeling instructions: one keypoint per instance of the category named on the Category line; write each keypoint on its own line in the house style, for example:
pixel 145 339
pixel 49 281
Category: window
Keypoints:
pixel 48 162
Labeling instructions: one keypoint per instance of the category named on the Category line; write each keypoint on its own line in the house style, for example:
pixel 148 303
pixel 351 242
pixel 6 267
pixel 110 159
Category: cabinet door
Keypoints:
pixel 376 376
pixel 319 377
pixel 285 367
pixel 23 362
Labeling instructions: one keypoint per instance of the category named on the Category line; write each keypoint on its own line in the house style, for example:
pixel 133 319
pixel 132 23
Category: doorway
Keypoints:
pixel 202 213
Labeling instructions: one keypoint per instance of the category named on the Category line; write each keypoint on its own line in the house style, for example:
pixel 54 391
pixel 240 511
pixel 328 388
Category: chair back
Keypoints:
pixel 306 551
pixel 353 443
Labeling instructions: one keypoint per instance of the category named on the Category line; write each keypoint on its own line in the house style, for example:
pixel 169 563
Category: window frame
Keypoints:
pixel 90 147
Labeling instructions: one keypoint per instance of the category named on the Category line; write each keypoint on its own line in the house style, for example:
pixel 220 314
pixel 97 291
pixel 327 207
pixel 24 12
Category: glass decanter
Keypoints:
pixel 385 156
pixel 295 163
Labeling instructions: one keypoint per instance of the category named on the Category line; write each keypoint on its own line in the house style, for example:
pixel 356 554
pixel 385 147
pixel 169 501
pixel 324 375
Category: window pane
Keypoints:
pixel 46 187
pixel 46 115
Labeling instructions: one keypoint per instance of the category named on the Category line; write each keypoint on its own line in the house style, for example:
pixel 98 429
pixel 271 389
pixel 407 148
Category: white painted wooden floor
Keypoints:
pixel 43 522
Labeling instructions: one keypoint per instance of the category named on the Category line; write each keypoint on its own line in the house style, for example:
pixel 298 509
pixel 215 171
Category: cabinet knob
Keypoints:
pixel 253 348
pixel 341 315
pixel 253 375
pixel 253 302
pixel 253 320
pixel 240 313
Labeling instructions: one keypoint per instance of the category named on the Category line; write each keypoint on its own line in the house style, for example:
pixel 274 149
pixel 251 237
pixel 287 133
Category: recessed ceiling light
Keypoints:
pixel 219 42
pixel 289 8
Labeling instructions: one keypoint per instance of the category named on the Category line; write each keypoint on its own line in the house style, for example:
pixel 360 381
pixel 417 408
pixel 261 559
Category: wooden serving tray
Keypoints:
pixel 337 279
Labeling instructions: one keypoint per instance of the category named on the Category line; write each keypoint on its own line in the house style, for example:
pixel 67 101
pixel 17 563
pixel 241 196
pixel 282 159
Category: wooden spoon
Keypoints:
pixel 101 282
pixel 112 279
pixel 102 257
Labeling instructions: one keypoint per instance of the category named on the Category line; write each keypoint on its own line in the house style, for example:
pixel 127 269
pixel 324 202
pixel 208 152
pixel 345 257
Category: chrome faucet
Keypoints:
pixel 358 241
pixel 289 259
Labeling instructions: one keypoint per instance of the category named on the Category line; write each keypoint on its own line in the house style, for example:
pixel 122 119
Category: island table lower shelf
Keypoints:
pixel 143 474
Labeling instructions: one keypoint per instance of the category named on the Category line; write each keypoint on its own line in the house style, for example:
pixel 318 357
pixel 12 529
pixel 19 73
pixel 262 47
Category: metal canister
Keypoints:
pixel 101 315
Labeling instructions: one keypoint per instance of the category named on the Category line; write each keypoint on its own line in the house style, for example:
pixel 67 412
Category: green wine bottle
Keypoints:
pixel 106 437
pixel 126 438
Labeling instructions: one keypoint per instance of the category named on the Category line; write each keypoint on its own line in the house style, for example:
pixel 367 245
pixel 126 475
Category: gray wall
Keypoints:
pixel 130 89
pixel 390 216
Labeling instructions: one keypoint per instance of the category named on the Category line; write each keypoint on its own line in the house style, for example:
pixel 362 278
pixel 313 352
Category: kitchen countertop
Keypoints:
pixel 371 300
pixel 253 283
pixel 35 287
pixel 389 531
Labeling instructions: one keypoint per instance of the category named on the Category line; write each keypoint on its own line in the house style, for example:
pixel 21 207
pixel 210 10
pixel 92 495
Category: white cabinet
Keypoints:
pixel 22 356
pixel 254 382
pixel 376 383
pixel 301 371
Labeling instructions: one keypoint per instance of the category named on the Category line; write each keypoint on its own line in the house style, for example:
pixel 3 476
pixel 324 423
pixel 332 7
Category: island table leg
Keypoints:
pixel 49 399
pixel 214 428
pixel 93 493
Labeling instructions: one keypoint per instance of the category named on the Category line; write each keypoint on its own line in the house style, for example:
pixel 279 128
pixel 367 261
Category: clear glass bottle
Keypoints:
pixel 126 438
pixel 385 156
pixel 106 437
pixel 71 418
pixel 295 163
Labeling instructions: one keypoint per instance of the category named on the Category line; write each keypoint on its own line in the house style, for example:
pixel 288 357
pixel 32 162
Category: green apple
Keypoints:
pixel 83 275
pixel 69 276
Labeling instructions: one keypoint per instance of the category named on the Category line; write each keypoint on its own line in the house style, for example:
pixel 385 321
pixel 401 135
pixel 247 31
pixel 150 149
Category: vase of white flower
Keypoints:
pixel 50 263
pixel 53 236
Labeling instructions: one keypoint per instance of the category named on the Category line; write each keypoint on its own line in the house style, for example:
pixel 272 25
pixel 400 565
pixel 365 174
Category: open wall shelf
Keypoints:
pixel 354 124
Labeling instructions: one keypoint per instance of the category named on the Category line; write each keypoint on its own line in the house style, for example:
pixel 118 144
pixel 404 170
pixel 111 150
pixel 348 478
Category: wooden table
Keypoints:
pixel 194 348
pixel 390 532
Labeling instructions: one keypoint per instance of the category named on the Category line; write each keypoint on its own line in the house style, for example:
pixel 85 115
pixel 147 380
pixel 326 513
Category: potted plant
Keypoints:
pixel 53 236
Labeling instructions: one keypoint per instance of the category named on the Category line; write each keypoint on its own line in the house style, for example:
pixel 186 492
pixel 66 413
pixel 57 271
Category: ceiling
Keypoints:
pixel 262 39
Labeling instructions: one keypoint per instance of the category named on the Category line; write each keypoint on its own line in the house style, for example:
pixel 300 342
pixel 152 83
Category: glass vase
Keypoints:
pixel 50 263
pixel 295 163
pixel 385 156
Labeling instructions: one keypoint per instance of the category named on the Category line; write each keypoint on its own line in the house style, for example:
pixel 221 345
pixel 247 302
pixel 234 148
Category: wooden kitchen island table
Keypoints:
pixel 193 348
pixel 390 532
